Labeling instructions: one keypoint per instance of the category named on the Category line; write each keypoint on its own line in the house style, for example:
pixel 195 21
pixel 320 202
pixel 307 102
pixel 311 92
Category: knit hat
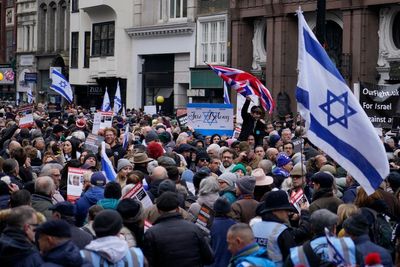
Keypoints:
pixel 166 186
pixel 57 228
pixel 356 225
pixel 64 208
pixel 282 160
pixel 58 128
pixel 328 168
pixel 273 139
pixel 151 136
pixel 98 179
pixel 168 201
pixel 164 137
pixel 122 163
pixel 222 206
pixel 324 179
pixel 228 178
pixel 166 161
pixel 322 218
pixel 239 166
pixel 89 155
pixel 107 223
pixel 246 184
pixel 155 150
pixel 131 210
pixel 80 123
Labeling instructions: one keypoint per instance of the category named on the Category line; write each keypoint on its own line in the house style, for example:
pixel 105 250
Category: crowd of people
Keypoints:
pixel 267 198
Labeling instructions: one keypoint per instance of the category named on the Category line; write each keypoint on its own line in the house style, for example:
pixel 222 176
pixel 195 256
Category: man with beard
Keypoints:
pixel 227 160
pixel 110 137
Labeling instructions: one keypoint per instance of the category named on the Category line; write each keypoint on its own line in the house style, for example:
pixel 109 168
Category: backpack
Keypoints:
pixel 382 233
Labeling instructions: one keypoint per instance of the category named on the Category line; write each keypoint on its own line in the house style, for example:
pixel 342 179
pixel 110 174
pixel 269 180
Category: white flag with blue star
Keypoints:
pixel 117 100
pixel 61 85
pixel 30 96
pixel 335 121
pixel 106 106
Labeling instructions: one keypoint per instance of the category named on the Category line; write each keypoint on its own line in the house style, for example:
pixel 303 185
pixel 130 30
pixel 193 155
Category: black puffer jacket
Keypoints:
pixel 173 241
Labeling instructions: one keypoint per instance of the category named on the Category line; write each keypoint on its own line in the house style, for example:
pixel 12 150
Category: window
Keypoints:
pixel 212 41
pixel 86 58
pixel 74 49
pixel 10 3
pixel 396 30
pixel 103 39
pixel 9 48
pixel 177 9
pixel 160 14
pixel 74 6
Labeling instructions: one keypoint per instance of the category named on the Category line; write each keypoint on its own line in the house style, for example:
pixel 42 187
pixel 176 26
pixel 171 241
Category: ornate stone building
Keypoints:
pixel 362 38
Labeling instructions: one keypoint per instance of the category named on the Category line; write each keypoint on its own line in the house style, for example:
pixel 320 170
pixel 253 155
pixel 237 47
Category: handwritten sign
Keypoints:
pixel 209 119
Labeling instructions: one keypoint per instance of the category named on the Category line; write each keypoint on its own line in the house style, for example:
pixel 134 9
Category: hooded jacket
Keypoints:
pixel 90 198
pixel 17 250
pixel 67 254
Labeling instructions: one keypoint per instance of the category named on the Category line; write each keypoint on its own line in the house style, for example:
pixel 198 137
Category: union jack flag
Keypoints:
pixel 245 84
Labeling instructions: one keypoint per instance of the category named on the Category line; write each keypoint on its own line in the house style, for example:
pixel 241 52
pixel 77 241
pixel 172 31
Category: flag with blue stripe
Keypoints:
pixel 106 166
pixel 106 106
pixel 117 100
pixel 61 85
pixel 227 99
pixel 335 121
pixel 126 137
pixel 30 96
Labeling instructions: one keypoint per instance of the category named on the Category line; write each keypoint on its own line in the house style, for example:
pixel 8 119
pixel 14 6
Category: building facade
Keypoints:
pixel 362 38
pixel 52 49
pixel 163 49
pixel 27 28
pixel 101 52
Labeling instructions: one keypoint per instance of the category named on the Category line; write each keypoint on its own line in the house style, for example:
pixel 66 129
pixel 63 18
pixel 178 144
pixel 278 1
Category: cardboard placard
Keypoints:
pixel 74 183
pixel 140 194
pixel 102 120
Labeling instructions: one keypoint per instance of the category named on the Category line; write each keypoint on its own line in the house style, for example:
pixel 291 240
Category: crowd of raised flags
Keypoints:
pixel 159 193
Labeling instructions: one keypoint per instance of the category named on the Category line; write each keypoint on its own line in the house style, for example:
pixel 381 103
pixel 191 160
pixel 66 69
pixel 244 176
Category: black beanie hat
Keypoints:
pixel 222 206
pixel 356 225
pixel 107 223
pixel 130 210
pixel 112 190
pixel 166 186
pixel 168 201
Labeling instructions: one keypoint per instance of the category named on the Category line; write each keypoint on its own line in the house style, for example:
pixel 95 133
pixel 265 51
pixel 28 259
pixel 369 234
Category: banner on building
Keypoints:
pixel 209 119
pixel 74 183
pixel 380 102
pixel 102 120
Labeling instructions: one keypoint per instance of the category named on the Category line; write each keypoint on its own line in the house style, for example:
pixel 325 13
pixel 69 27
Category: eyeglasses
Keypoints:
pixel 203 160
pixel 296 176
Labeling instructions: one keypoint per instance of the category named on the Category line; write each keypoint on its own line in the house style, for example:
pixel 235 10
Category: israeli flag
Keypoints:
pixel 117 100
pixel 106 106
pixel 61 85
pixel 227 99
pixel 126 137
pixel 30 96
pixel 335 121
pixel 123 114
pixel 17 98
pixel 106 165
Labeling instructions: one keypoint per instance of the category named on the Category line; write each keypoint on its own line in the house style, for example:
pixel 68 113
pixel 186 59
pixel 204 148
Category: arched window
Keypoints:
pixel 396 31
pixel 42 17
pixel 51 30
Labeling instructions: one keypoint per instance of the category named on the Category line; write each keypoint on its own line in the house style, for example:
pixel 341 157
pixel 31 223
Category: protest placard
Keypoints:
pixel 74 183
pixel 138 192
pixel 26 116
pixel 209 119
pixel 102 120
pixel 93 142
pixel 150 110
pixel 297 198
pixel 181 116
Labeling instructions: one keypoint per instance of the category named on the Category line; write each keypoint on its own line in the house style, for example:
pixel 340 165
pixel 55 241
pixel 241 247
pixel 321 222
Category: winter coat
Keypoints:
pixel 365 246
pixel 108 203
pixel 229 194
pixel 324 199
pixel 16 250
pixel 218 232
pixel 151 214
pixel 79 237
pixel 67 254
pixel 89 198
pixel 4 201
pixel 244 209
pixel 250 126
pixel 172 241
pixel 42 203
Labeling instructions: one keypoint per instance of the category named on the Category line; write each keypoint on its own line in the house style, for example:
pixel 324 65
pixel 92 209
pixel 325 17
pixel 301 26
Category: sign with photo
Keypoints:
pixel 26 116
pixel 74 183
pixel 209 119
pixel 138 192
pixel 102 120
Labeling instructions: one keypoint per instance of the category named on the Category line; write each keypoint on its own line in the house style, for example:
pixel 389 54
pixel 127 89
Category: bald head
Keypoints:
pixel 159 173
pixel 239 236
pixel 272 153
pixel 13 145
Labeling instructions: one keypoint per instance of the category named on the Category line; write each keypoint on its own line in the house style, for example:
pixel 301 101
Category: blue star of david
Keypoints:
pixel 347 110
pixel 209 117
pixel 63 84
